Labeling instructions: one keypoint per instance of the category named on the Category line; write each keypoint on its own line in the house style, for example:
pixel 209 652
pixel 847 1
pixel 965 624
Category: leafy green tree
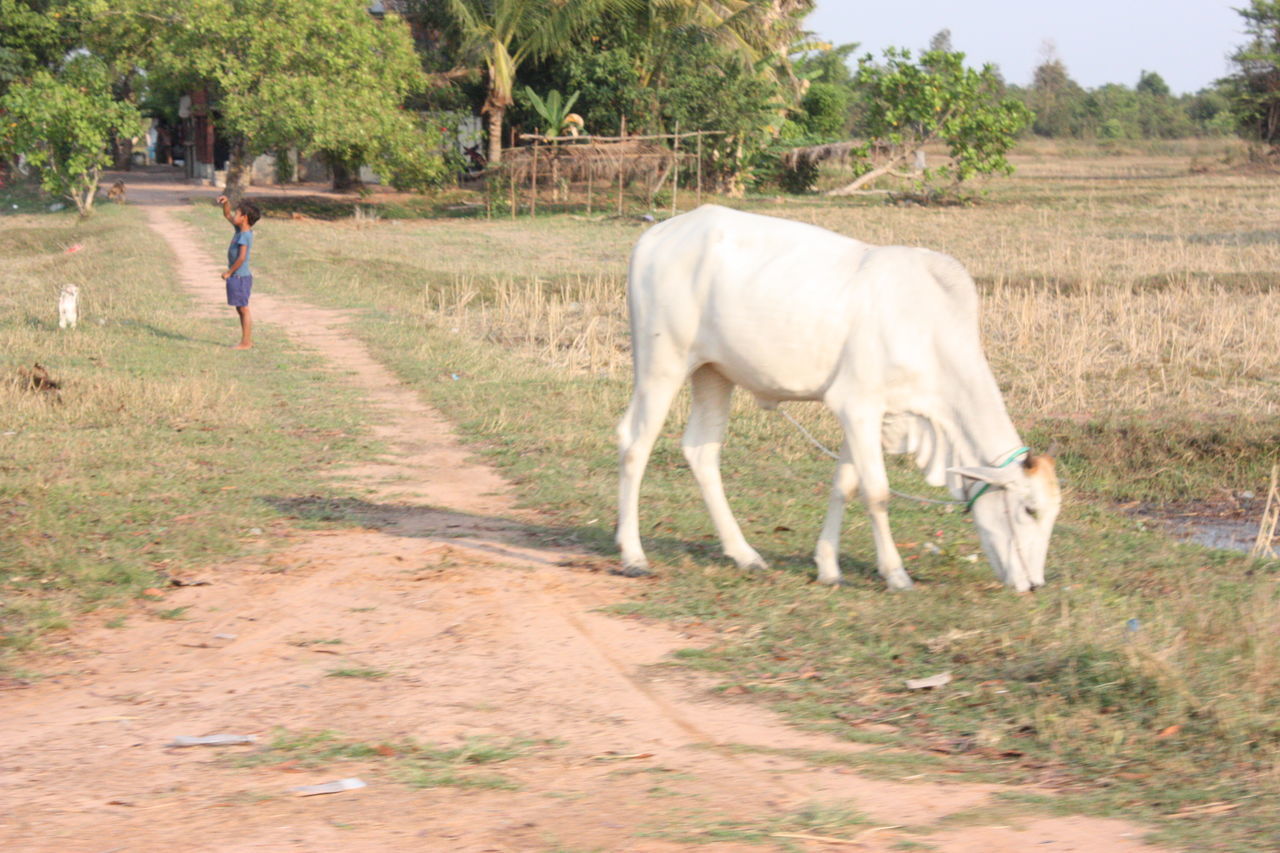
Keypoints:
pixel 1210 110
pixel 824 112
pixel 712 88
pixel 937 99
pixel 1256 83
pixel 34 35
pixel 826 64
pixel 1112 111
pixel 1056 100
pixel 1151 83
pixel 504 34
pixel 62 123
pixel 608 83
pixel 322 75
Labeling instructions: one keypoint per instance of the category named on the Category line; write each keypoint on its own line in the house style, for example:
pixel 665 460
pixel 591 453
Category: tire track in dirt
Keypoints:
pixel 480 633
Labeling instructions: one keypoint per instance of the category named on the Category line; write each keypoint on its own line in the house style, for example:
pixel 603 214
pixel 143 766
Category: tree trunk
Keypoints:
pixel 239 173
pixel 345 177
pixel 495 134
pixel 863 180
pixel 84 195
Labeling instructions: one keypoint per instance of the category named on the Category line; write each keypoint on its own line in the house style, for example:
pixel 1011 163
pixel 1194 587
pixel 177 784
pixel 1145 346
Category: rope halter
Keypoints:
pixel 1009 460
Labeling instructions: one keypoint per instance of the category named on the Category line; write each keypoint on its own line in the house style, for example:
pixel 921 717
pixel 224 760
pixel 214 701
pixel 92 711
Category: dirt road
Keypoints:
pixel 450 623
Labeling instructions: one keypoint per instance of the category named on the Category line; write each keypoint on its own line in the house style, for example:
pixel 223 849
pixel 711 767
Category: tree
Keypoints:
pixel 62 123
pixel 1056 100
pixel 34 35
pixel 912 104
pixel 322 75
pixel 608 83
pixel 713 88
pixel 824 111
pixel 506 33
pixel 1256 85
pixel 826 64
pixel 1151 83
pixel 1210 111
pixel 941 41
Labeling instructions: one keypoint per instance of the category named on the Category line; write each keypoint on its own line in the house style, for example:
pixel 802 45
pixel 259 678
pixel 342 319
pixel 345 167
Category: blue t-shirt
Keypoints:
pixel 242 238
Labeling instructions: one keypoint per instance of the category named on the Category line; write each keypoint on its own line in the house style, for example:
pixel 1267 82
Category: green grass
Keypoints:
pixel 696 826
pixel 407 761
pixel 163 448
pixel 357 672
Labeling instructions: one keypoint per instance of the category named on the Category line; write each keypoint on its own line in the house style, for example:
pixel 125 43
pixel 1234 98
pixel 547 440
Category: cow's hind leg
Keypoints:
pixel 703 437
pixel 827 554
pixel 862 440
pixel 636 434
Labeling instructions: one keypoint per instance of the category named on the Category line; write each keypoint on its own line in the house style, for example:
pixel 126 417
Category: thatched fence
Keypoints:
pixel 601 166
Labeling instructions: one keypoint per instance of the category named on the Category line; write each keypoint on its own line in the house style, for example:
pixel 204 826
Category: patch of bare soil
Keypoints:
pixel 463 627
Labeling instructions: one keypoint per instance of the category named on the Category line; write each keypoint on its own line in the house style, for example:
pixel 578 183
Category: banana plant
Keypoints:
pixel 554 110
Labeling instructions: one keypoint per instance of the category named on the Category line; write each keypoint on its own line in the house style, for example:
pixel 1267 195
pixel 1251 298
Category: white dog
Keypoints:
pixel 68 308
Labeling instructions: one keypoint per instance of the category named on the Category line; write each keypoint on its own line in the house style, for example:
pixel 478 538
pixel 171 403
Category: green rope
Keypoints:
pixel 1005 464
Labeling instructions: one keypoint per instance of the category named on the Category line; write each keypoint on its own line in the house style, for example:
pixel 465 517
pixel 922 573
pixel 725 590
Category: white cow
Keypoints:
pixel 886 336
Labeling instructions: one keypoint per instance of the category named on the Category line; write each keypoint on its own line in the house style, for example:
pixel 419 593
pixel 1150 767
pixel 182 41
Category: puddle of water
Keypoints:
pixel 1226 526
pixel 1226 534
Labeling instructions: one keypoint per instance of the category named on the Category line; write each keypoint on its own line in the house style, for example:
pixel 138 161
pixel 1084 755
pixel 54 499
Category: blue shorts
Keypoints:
pixel 238 290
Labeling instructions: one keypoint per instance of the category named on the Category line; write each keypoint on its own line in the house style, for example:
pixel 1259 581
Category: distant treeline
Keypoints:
pixel 392 84
pixel 833 105
pixel 1147 110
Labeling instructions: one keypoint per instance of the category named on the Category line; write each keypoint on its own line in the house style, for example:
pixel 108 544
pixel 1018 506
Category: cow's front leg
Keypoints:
pixel 862 434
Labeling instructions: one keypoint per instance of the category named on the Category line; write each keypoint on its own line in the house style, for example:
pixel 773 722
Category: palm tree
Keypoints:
pixel 504 33
pixel 762 33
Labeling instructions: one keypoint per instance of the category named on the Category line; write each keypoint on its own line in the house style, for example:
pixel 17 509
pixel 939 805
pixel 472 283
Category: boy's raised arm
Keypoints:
pixel 226 208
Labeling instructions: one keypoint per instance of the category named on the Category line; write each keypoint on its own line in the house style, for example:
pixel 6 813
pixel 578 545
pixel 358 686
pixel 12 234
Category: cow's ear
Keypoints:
pixel 994 476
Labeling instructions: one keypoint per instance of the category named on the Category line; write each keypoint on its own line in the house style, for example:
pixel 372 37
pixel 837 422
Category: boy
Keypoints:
pixel 238 277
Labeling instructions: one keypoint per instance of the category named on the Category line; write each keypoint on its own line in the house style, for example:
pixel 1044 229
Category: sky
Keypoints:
pixel 1100 41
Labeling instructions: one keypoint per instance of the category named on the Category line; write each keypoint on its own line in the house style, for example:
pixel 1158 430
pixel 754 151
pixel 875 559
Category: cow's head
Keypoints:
pixel 1015 516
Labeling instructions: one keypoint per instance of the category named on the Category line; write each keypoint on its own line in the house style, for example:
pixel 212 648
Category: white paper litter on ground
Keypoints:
pixel 932 681
pixel 349 784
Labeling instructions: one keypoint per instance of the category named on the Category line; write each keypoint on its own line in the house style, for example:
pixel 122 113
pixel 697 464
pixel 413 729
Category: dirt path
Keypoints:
pixel 478 632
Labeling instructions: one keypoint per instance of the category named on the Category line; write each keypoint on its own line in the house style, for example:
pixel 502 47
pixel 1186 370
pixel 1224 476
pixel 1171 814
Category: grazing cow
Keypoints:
pixel 886 336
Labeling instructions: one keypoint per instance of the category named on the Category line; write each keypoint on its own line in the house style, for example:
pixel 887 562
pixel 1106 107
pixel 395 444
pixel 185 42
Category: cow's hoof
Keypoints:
pixel 754 566
pixel 832 582
pixel 632 571
pixel 901 584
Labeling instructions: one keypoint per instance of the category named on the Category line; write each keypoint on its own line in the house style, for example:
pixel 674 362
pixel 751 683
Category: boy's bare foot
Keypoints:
pixel 243 346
